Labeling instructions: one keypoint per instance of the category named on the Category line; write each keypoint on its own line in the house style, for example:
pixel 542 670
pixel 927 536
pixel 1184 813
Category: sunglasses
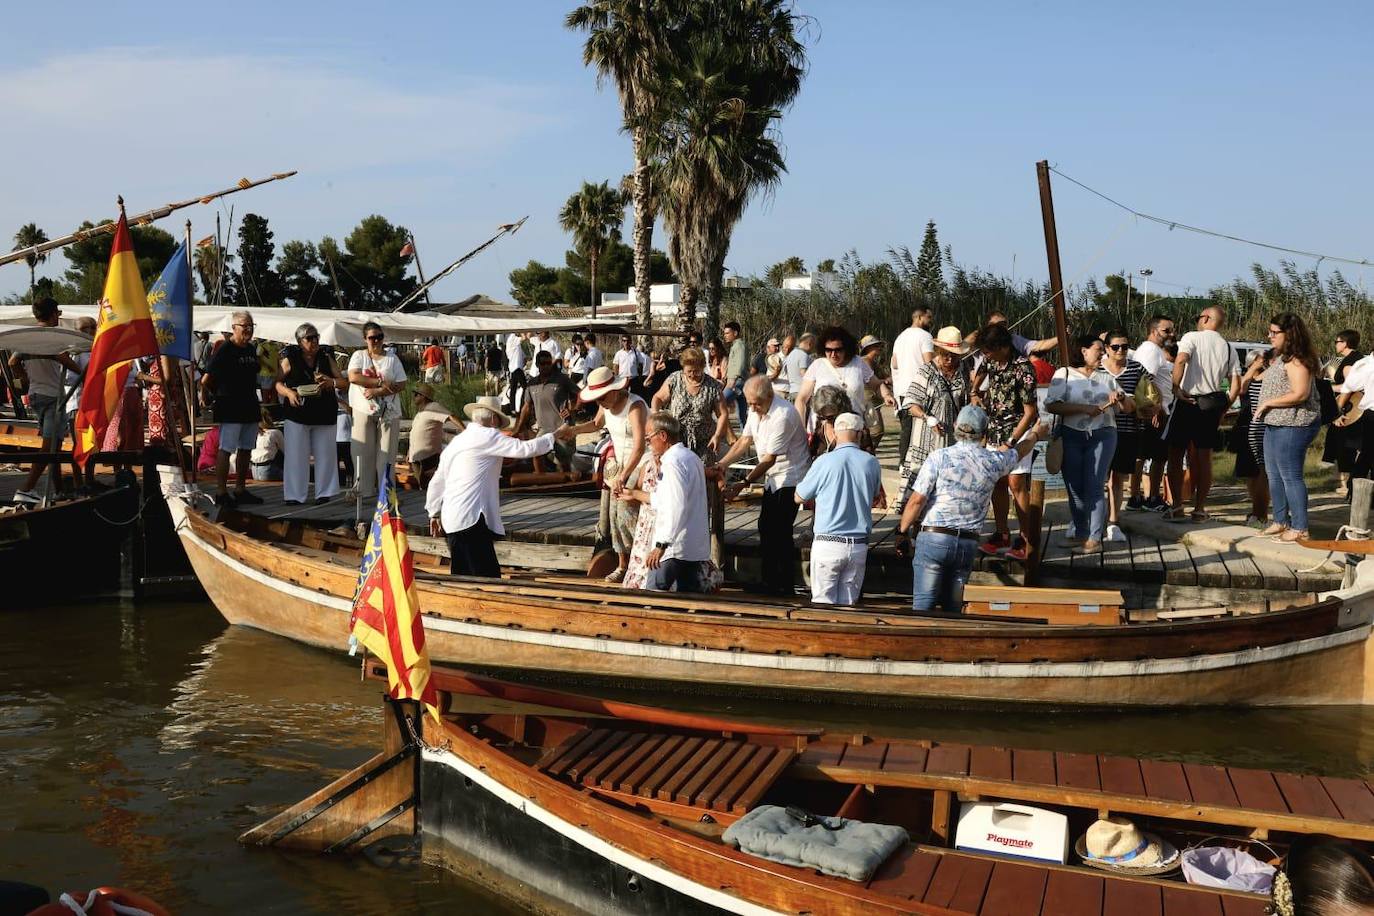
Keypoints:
pixel 377 339
pixel 1118 347
pixel 834 349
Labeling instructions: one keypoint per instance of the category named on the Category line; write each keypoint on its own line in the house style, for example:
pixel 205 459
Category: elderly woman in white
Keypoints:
pixel 376 379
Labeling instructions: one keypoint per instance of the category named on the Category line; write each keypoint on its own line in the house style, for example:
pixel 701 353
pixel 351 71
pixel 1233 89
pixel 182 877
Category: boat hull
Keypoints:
pixel 295 601
pixel 92 529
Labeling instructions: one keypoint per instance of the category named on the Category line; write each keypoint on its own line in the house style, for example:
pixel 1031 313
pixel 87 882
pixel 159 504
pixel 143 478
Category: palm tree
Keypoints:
pixel 212 264
pixel 627 42
pixel 30 236
pixel 594 216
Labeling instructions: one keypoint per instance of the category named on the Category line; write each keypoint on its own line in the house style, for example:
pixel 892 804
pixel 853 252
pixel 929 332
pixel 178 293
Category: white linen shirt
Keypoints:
pixel 467 485
pixel 515 352
pixel 908 356
pixel 679 504
pixel 779 432
pixel 628 364
pixel 1211 361
pixel 1358 376
pixel 1150 355
pixel 553 347
pixel 595 359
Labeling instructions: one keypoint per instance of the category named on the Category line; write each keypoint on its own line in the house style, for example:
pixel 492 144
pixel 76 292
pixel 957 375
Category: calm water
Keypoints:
pixel 137 743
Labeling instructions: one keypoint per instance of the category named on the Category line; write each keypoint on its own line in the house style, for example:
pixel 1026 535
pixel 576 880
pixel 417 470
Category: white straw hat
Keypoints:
pixel 1117 845
pixel 602 381
pixel 487 402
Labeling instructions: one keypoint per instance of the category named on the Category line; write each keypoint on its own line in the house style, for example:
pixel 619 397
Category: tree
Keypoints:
pixel 211 264
pixel 258 283
pixel 930 274
pixel 535 285
pixel 627 41
pixel 788 267
pixel 715 104
pixel 298 270
pixel 826 267
pixel 594 216
pixel 28 236
pixel 369 269
pixel 90 258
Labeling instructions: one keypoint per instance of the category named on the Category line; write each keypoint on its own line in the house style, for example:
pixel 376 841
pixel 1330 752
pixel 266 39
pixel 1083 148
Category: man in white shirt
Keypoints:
pixel 797 361
pixel 774 429
pixel 912 349
pixel 548 345
pixel 682 542
pixel 1205 363
pixel 594 358
pixel 464 497
pixel 515 367
pixel 1150 354
pixel 629 363
pixel 45 374
pixel 1358 421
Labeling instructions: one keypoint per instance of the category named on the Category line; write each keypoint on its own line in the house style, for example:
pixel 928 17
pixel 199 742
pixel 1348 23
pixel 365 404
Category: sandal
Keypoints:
pixel 617 576
pixel 1292 536
pixel 1273 530
pixel 1089 548
pixel 1199 516
pixel 1176 516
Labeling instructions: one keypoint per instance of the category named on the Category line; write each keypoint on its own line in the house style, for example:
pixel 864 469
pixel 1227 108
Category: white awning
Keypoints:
pixel 37 340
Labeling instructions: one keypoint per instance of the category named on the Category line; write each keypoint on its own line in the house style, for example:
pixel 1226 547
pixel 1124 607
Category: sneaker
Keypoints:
pixel 247 497
pixel 26 498
pixel 1115 534
pixel 1254 521
pixel 1155 504
pixel 1135 504
pixel 321 500
pixel 225 499
pixel 1018 549
pixel 995 545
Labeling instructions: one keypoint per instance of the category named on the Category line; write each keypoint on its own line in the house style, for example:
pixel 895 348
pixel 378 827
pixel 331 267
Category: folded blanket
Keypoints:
pixel 837 846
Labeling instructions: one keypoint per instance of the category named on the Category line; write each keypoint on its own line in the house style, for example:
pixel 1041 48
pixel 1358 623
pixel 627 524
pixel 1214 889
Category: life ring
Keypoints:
pixel 103 901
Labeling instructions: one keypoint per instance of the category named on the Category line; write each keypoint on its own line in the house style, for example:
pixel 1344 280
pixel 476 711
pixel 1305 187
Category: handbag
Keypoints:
pixel 1054 452
pixel 1146 396
pixel 1212 401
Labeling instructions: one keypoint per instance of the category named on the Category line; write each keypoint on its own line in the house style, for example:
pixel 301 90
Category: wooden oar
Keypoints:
pixel 1357 547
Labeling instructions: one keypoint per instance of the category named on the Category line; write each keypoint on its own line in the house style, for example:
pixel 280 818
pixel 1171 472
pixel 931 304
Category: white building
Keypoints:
pixel 821 280
pixel 662 299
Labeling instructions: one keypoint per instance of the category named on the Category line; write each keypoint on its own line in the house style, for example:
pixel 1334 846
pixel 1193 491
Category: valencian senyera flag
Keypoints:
pixel 169 301
pixel 386 616
pixel 124 332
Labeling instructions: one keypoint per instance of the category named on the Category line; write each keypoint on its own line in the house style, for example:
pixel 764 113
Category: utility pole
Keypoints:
pixel 1057 298
pixel 1145 273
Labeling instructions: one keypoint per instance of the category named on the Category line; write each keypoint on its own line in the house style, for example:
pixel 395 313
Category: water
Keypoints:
pixel 138 742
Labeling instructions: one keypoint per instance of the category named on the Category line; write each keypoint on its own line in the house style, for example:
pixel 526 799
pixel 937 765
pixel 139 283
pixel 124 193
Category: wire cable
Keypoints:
pixel 1175 224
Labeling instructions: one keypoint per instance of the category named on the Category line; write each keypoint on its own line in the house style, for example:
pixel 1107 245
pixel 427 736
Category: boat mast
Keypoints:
pixel 1057 297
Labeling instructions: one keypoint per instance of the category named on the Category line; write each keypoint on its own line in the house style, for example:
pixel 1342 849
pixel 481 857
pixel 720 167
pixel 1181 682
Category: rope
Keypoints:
pixel 1356 534
pixel 1101 253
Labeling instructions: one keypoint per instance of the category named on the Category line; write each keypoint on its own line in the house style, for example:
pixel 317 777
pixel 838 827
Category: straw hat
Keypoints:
pixel 773 361
pixel 425 390
pixel 1117 845
pixel 951 340
pixel 487 402
pixel 600 382
pixel 868 341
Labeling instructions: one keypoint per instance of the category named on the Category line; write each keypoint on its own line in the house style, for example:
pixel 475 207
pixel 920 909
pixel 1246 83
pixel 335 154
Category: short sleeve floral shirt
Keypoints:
pixel 1009 389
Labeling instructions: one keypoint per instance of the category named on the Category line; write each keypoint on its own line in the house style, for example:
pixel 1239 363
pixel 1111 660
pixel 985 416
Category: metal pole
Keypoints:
pixel 1145 272
pixel 1061 323
pixel 191 381
pixel 419 271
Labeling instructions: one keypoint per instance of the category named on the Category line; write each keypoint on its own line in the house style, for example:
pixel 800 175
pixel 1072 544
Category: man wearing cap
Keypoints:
pixel 427 433
pixel 464 497
pixel 950 500
pixel 624 415
pixel 775 431
pixel 843 482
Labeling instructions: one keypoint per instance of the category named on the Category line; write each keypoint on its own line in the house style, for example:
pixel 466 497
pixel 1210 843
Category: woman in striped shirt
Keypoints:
pixel 1127 373
pixel 1247 440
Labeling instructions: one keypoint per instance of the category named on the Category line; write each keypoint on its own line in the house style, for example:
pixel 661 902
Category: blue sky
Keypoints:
pixel 451 118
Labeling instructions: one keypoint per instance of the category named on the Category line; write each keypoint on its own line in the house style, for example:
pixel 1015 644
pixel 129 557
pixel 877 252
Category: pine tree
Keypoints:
pixel 930 274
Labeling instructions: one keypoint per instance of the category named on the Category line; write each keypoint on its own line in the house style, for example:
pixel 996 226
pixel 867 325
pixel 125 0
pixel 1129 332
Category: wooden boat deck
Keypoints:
pixel 569 522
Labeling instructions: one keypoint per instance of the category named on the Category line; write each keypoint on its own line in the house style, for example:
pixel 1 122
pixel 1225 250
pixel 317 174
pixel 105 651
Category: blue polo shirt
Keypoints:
pixel 843 483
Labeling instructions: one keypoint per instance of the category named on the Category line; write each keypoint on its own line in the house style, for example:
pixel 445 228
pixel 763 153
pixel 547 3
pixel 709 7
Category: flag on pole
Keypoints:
pixel 386 616
pixel 169 302
pixel 124 332
pixel 407 249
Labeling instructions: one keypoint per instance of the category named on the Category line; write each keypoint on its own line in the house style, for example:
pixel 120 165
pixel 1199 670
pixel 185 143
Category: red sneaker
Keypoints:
pixel 1018 550
pixel 995 545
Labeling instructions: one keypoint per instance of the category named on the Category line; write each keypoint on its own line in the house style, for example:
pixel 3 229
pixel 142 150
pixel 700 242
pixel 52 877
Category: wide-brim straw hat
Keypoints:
pixel 487 402
pixel 774 360
pixel 1116 845
pixel 868 342
pixel 951 340
pixel 601 382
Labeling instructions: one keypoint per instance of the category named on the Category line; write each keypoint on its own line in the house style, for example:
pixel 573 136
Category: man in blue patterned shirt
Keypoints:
pixel 953 491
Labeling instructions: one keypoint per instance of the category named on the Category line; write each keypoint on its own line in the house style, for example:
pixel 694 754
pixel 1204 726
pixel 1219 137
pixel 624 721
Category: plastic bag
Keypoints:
pixel 1224 866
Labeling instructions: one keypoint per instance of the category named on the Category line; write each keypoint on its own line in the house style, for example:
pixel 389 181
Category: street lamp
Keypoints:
pixel 1146 272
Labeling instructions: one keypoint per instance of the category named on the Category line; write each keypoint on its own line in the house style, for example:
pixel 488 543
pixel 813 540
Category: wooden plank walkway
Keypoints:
pixel 571 521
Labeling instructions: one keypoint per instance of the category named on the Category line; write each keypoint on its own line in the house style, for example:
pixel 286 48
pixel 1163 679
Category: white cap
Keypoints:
pixel 849 423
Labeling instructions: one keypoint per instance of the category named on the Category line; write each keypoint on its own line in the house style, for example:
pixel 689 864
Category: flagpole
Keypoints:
pixel 419 271
pixel 189 382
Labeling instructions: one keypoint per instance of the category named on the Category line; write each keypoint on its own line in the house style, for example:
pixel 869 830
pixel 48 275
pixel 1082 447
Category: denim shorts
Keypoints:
pixel 237 437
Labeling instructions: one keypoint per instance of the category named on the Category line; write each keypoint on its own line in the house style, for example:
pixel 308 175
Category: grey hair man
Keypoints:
pixel 464 498
pixel 843 482
pixel 230 382
pixel 950 500
pixel 682 542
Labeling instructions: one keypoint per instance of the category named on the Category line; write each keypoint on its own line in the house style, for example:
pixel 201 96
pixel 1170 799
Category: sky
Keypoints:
pixel 1251 118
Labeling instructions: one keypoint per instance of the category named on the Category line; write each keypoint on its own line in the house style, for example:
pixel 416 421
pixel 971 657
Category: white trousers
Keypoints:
pixel 303 442
pixel 374 447
pixel 837 572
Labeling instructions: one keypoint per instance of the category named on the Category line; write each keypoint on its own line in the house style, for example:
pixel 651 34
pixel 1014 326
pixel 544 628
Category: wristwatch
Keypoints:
pixel 662 545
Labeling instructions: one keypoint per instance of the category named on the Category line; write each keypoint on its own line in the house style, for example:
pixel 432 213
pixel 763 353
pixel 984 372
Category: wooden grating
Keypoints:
pixel 717 774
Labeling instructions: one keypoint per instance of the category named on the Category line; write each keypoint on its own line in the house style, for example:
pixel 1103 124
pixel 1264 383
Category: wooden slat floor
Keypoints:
pixel 571 521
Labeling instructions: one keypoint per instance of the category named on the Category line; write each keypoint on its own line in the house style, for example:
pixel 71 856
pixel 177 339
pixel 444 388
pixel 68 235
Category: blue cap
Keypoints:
pixel 972 421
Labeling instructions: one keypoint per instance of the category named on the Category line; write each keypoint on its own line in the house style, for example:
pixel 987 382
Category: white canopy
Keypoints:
pixel 37 340
pixel 344 328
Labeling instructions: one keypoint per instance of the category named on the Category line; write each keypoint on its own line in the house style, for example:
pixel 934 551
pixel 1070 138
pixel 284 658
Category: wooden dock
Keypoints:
pixel 569 522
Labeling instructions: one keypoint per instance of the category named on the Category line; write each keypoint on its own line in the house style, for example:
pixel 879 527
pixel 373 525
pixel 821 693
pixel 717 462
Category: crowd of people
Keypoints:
pixel 1126 422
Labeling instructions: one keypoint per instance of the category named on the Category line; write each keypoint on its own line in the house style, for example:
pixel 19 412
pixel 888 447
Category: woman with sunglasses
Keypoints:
pixel 1127 373
pixel 376 379
pixel 1088 402
pixel 843 368
pixel 1290 409
pixel 307 383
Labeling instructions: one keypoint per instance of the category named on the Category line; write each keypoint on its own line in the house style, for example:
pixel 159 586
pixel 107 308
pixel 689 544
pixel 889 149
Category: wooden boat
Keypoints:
pixel 613 808
pixel 298 582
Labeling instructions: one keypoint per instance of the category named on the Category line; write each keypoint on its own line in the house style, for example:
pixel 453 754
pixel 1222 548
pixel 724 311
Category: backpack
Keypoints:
pixel 1326 398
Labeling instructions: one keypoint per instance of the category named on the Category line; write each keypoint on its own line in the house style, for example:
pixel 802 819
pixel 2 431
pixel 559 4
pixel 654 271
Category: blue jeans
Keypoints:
pixel 734 394
pixel 677 576
pixel 1087 458
pixel 1285 447
pixel 939 570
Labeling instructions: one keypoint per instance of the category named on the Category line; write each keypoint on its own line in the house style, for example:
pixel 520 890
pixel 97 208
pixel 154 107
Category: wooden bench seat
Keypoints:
pixel 1258 800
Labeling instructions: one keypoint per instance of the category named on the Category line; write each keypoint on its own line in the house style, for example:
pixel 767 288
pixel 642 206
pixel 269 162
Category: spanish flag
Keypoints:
pixel 386 616
pixel 124 333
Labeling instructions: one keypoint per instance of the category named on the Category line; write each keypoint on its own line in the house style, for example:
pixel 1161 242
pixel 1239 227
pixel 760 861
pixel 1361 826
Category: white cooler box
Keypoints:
pixel 1007 829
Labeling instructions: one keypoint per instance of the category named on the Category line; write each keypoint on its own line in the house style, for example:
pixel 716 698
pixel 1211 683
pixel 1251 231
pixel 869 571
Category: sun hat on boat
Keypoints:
pixel 1115 844
pixel 601 381
pixel 950 340
pixel 487 402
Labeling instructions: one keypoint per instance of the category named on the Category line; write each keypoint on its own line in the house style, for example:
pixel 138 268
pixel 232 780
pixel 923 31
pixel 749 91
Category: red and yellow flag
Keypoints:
pixel 123 333
pixel 386 616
